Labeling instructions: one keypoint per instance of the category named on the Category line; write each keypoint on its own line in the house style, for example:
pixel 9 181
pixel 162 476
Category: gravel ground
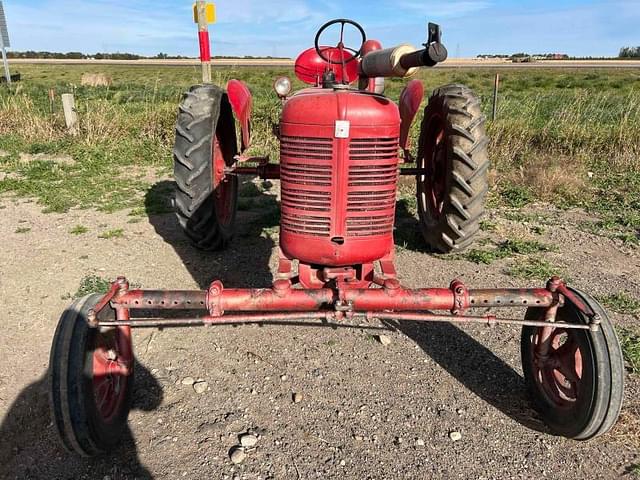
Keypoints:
pixel 433 401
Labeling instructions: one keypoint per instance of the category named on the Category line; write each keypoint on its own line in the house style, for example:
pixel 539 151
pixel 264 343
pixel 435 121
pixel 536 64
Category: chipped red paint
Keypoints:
pixel 241 102
pixel 283 297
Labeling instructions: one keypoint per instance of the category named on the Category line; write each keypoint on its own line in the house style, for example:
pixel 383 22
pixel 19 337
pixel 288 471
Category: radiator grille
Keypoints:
pixel 316 226
pixel 306 199
pixel 369 226
pixel 373 148
pixel 373 174
pixel 305 166
pixel 306 148
pixel 367 201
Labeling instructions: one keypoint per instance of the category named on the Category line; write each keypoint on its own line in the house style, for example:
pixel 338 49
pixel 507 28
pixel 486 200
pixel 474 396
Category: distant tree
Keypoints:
pixel 629 52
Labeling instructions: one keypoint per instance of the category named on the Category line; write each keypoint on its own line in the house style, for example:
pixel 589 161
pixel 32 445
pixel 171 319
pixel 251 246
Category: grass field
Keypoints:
pixel 568 137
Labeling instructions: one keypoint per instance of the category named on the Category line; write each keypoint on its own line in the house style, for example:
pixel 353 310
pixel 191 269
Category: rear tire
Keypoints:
pixel 578 387
pixel 89 397
pixel 206 198
pixel 453 150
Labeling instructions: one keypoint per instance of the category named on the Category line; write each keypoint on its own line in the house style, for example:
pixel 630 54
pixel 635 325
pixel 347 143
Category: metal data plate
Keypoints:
pixel 3 28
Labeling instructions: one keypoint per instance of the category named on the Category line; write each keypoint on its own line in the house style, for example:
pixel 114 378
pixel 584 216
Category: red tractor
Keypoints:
pixel 340 146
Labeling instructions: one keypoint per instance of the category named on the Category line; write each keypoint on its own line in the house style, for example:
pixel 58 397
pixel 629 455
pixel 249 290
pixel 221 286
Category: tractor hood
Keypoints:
pixel 323 106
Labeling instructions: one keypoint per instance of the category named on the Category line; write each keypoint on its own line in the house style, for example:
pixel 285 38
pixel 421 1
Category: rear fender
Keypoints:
pixel 241 103
pixel 409 103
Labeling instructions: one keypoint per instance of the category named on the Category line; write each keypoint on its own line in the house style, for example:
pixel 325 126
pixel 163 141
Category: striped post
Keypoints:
pixel 203 37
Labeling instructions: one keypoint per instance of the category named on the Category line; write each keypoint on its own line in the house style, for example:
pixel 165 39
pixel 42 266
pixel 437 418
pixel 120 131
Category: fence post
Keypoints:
pixel 70 114
pixel 496 85
pixel 52 100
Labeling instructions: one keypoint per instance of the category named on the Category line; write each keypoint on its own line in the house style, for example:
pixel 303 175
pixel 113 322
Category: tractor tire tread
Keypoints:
pixel 467 183
pixel 199 115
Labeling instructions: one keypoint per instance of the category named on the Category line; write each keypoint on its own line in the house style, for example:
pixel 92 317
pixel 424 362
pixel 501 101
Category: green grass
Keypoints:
pixel 488 226
pixel 534 268
pixel 622 302
pixel 90 284
pixel 78 230
pixel 553 128
pixel 630 343
pixel 115 233
pixel 516 196
pixel 22 230
pixel 506 249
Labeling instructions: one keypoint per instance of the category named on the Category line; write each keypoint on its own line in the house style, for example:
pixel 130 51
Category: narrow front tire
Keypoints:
pixel 90 381
pixel 577 384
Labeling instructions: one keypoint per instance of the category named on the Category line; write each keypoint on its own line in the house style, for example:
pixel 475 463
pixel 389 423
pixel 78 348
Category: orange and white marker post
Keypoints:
pixel 203 14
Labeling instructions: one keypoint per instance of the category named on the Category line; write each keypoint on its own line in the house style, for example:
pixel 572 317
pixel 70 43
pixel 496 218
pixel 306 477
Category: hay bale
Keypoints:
pixel 96 80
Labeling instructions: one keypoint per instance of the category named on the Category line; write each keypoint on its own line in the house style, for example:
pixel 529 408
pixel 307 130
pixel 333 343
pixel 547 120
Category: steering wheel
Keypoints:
pixel 340 46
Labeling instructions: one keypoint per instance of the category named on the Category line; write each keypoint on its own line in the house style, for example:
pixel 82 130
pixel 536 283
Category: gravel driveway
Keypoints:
pixel 437 401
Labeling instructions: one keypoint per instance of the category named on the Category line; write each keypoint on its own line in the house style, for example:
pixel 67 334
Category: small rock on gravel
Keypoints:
pixel 248 440
pixel 188 381
pixel 297 397
pixel 200 387
pixel 455 436
pixel 237 455
pixel 384 340
pixel 419 442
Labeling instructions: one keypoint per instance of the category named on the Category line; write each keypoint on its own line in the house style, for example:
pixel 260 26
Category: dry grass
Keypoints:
pixel 552 129
pixel 18 113
pixel 96 80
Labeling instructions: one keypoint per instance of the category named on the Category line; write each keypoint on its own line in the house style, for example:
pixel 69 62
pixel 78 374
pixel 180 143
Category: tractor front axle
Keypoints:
pixel 282 303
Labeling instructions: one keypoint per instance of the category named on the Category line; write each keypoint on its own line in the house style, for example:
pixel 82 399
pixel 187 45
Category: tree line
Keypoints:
pixel 110 56
pixel 629 52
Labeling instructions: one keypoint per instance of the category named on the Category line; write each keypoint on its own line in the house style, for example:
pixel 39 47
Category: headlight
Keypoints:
pixel 282 86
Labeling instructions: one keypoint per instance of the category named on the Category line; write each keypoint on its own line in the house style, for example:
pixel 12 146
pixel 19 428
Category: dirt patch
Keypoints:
pixel 363 410
pixel 9 176
pixel 147 174
pixel 26 158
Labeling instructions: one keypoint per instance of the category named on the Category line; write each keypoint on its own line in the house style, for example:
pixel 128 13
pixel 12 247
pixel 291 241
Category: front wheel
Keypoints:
pixel 91 381
pixel 577 384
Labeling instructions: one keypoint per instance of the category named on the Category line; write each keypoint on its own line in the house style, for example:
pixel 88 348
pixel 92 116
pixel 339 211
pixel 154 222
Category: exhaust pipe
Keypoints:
pixel 404 60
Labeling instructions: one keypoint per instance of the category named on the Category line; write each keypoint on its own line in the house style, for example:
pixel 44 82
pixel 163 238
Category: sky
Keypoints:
pixel 286 27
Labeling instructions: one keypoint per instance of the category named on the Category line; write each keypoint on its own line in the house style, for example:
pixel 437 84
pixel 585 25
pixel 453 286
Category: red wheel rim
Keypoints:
pixel 109 376
pixel 435 158
pixel 223 196
pixel 558 365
